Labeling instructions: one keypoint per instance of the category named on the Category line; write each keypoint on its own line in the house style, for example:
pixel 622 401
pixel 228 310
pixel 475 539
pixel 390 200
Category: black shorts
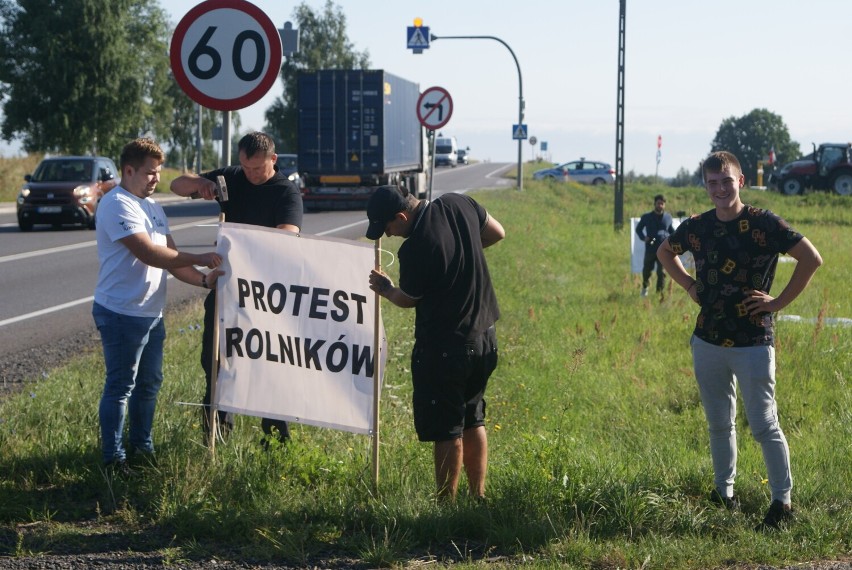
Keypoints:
pixel 449 386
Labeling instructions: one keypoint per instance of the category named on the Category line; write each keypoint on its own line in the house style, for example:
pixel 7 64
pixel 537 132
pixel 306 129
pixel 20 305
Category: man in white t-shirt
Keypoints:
pixel 135 249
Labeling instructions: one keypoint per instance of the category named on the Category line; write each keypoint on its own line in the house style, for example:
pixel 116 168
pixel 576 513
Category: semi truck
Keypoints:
pixel 358 130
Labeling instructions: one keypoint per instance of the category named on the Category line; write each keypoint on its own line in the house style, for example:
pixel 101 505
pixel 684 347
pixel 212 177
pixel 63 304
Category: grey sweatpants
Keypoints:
pixel 718 370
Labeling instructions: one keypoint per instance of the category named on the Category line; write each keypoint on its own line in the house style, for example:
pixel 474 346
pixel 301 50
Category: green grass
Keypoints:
pixel 12 171
pixel 598 444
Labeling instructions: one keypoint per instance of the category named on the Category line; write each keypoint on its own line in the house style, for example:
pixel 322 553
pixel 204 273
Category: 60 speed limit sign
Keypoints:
pixel 226 54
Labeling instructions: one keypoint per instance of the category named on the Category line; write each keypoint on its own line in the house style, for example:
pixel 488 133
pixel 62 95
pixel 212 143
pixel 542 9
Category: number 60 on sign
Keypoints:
pixel 226 54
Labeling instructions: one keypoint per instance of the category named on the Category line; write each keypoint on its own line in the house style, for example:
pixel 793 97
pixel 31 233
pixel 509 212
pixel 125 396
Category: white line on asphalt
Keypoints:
pixel 46 311
pixel 53 309
pixel 82 245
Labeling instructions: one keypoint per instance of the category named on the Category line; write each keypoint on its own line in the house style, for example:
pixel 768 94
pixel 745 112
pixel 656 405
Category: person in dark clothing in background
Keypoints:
pixel 653 228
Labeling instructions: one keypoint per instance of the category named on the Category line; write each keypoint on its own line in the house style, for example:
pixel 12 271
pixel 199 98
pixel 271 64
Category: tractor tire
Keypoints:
pixel 842 183
pixel 791 186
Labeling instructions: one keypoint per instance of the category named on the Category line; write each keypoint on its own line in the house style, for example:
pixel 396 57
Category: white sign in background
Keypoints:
pixel 296 328
pixel 637 248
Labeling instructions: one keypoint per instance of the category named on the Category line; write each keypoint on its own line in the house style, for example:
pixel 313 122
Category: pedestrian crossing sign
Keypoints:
pixel 519 132
pixel 418 38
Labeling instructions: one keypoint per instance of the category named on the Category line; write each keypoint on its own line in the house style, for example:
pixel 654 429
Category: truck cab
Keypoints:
pixel 446 151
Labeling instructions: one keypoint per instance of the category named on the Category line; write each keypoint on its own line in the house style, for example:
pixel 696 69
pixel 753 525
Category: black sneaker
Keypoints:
pixel 119 468
pixel 137 459
pixel 731 503
pixel 777 515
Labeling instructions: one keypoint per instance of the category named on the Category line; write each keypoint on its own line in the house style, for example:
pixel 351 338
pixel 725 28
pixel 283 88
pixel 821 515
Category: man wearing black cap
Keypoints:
pixel 443 273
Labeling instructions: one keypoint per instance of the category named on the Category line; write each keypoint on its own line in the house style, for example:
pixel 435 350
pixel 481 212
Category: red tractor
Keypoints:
pixel 827 167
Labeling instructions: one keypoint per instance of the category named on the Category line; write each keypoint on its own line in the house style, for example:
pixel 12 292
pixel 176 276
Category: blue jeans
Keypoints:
pixel 718 371
pixel 133 355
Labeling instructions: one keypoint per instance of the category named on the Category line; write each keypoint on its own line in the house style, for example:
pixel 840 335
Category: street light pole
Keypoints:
pixel 433 38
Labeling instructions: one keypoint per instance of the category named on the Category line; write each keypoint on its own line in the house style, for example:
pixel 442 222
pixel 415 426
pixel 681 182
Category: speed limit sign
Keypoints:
pixel 225 54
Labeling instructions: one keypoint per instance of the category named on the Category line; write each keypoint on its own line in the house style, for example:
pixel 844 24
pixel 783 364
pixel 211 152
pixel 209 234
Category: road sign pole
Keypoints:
pixel 434 109
pixel 432 138
pixel 226 138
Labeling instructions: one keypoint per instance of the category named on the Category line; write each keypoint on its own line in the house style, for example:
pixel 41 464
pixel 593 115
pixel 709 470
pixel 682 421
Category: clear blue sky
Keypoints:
pixel 690 65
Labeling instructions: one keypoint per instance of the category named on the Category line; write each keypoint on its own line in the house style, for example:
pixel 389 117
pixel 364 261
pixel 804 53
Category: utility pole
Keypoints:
pixel 619 124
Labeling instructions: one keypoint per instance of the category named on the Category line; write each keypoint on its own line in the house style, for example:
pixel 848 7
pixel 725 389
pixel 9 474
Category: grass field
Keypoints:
pixel 598 444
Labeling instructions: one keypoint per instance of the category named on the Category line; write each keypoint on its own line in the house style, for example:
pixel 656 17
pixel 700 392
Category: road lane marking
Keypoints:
pixel 46 311
pixel 81 245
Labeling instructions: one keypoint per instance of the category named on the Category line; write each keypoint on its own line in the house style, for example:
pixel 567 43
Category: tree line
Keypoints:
pixel 85 76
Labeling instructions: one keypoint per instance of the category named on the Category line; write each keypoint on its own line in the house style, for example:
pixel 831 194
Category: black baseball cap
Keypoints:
pixel 385 203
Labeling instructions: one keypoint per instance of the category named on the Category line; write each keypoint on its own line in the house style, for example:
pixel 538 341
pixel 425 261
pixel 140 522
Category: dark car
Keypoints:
pixel 65 190
pixel 584 171
pixel 463 158
pixel 288 165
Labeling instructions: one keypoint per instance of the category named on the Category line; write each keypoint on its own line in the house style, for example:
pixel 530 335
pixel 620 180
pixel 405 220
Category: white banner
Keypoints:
pixel 296 328
pixel 637 248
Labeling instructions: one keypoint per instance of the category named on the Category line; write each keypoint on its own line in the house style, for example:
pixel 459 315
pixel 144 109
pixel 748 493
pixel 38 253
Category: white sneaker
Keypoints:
pixel 644 291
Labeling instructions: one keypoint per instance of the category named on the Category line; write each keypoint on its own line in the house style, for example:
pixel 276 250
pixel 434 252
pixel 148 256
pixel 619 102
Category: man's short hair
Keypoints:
pixel 136 151
pixel 659 197
pixel 720 160
pixel 256 142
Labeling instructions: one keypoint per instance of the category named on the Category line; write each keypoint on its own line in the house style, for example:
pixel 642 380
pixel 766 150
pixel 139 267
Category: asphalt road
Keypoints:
pixel 48 276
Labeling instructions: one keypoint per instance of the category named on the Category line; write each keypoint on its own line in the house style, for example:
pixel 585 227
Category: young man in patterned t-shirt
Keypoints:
pixel 736 247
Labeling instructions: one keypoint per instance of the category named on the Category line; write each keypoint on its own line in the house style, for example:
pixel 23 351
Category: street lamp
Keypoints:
pixel 433 38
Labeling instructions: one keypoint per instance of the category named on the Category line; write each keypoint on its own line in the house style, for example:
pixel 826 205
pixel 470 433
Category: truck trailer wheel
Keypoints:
pixel 842 183
pixel 791 186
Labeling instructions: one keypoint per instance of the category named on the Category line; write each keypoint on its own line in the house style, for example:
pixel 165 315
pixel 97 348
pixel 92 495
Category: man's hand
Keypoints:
pixel 210 260
pixel 758 302
pixel 380 282
pixel 194 186
pixel 206 189
pixel 212 277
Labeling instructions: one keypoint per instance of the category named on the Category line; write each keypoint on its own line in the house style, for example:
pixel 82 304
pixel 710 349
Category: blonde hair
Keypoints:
pixel 136 151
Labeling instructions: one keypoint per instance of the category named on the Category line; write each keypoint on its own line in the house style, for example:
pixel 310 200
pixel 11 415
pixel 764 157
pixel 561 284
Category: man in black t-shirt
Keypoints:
pixel 259 195
pixel 443 274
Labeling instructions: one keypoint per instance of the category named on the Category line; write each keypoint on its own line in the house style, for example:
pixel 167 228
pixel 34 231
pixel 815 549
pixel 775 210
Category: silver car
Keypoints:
pixel 583 171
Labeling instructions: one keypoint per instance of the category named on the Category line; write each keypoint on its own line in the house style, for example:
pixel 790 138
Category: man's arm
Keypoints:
pixel 492 232
pixel 288 227
pixel 192 276
pixel 671 263
pixel 167 257
pixel 382 284
pixel 640 228
pixel 188 185
pixel 808 261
